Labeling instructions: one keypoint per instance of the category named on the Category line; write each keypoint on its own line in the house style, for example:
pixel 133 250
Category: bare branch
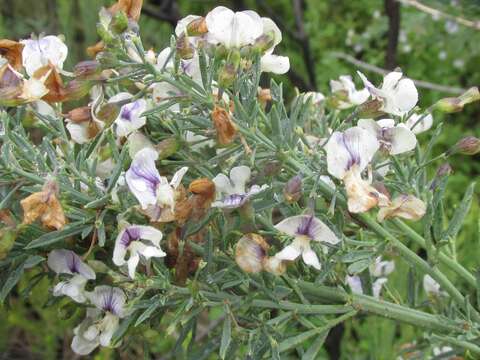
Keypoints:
pixel 378 70
pixel 437 13
pixel 392 8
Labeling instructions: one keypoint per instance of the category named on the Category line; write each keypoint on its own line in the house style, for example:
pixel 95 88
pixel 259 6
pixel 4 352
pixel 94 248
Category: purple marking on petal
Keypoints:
pixel 186 65
pixel 305 227
pixel 130 234
pixel 109 303
pixel 73 262
pixel 127 110
pixel 354 155
pixel 150 177
pixel 235 200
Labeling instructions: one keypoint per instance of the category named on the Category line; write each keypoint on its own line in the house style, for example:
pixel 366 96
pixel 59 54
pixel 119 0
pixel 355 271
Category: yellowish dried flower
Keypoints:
pixel 44 205
pixel 226 129
pixel 405 206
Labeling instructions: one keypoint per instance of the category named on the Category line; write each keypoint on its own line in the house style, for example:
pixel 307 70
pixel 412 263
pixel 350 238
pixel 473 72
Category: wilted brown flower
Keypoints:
pixel 264 96
pixel 293 189
pixel 80 114
pixel 53 82
pixel 197 27
pixel 195 207
pixel 44 205
pixel 184 262
pixel 405 206
pixel 226 129
pixel 12 51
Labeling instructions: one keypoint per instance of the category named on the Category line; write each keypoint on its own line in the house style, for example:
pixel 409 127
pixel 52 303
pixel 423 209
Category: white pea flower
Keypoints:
pixel 431 287
pixel 270 62
pixel 67 262
pixel 348 154
pixel 233 29
pixel 101 322
pixel 155 193
pixel 350 96
pixel 393 139
pixel 42 51
pixel 233 191
pixel 129 119
pixel 316 97
pixel 397 94
pixel 379 271
pixel 439 351
pixel 137 240
pixel 419 123
pixel 304 228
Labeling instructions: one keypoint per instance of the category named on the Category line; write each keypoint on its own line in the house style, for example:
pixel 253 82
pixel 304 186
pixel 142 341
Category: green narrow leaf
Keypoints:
pixel 147 313
pixel 226 334
pixel 314 349
pixel 55 236
pixel 15 275
pixel 460 214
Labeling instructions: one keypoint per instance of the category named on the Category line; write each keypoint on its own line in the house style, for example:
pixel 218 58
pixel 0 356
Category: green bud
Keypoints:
pixel 185 50
pixel 87 70
pixel 221 52
pixel 7 239
pixel 456 104
pixel 119 22
pixel 105 34
pixel 109 112
pixel 167 148
pixel 77 89
pixel 227 75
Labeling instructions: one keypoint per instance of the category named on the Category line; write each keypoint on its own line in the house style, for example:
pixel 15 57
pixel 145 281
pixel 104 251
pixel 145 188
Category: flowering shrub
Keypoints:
pixel 153 188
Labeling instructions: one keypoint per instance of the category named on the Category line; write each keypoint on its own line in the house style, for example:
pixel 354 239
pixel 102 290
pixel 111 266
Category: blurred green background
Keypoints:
pixel 376 32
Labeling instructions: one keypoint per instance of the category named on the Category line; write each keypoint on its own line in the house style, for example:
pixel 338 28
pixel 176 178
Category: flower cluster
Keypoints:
pixel 181 180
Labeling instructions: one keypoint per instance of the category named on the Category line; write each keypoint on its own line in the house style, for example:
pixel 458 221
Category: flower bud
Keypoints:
pixel 80 114
pixel 456 104
pixel 184 48
pixel 87 70
pixel 167 147
pixel 293 189
pixel 197 27
pixel 370 109
pixel 263 43
pixel 109 112
pixel 264 95
pixel 226 129
pixel 469 145
pixel 77 89
pixel 227 75
pixel 105 34
pixel 119 22
pixel 251 252
pixel 444 170
pixel 204 187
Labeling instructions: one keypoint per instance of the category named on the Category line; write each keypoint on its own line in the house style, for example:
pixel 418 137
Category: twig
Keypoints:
pixel 378 70
pixel 437 13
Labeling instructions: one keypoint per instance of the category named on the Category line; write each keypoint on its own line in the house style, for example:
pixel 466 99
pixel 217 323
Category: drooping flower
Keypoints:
pixel 155 193
pixel 379 270
pixel 419 123
pixel 43 51
pixel 12 52
pixel 393 139
pixel 304 228
pixel 63 261
pixel 346 95
pixel 405 206
pixel 101 322
pixel 232 192
pixel 397 94
pixel 251 256
pixel 348 154
pixel 270 62
pixel 137 240
pixel 129 119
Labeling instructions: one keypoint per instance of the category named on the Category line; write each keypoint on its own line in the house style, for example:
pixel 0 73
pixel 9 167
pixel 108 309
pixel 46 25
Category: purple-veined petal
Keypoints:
pixel 64 261
pixel 108 299
pixel 354 283
pixel 310 258
pixel 307 225
pixel 290 252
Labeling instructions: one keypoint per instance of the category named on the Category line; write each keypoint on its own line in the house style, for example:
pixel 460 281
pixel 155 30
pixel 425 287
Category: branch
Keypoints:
pixel 437 13
pixel 392 8
pixel 169 13
pixel 378 70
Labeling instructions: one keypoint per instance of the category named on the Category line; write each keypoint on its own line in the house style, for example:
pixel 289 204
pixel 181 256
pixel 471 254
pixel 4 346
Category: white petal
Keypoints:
pixel 109 299
pixel 355 284
pixel 382 268
pixel 109 326
pixel 38 53
pixel 143 177
pixel 178 176
pixel 275 64
pixel 289 252
pixel 81 346
pixel 310 258
pixel 129 118
pixel 370 125
pixel 386 123
pixel 165 59
pixel 406 95
pixel 307 225
pixel 269 27
pixel 120 250
pixel 239 176
pixel 417 126
pixel 67 262
pixel 223 184
pixel 78 132
pixel 402 140
pixel 152 251
pixel 391 80
pixel 132 264
pixel 430 285
pixel 183 23
pixel 136 142
pixel 377 286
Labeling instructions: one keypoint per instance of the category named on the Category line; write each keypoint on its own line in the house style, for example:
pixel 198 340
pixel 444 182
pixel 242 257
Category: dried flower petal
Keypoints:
pixel 12 51
pixel 404 206
pixel 226 129
pixel 44 205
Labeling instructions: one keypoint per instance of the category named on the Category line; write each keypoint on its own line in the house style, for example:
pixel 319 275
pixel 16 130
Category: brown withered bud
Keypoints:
pixel 54 84
pixel 184 48
pixel 88 70
pixel 195 207
pixel 80 114
pixel 95 49
pixel 44 205
pixel 197 27
pixel 109 112
pixel 77 89
pixel 12 51
pixel 264 96
pixel 469 145
pixel 226 129
pixel 184 262
pixel 293 189
pixel 132 8
pixel 204 187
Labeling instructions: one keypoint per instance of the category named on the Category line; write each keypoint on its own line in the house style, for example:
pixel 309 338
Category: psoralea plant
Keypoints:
pixel 154 189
